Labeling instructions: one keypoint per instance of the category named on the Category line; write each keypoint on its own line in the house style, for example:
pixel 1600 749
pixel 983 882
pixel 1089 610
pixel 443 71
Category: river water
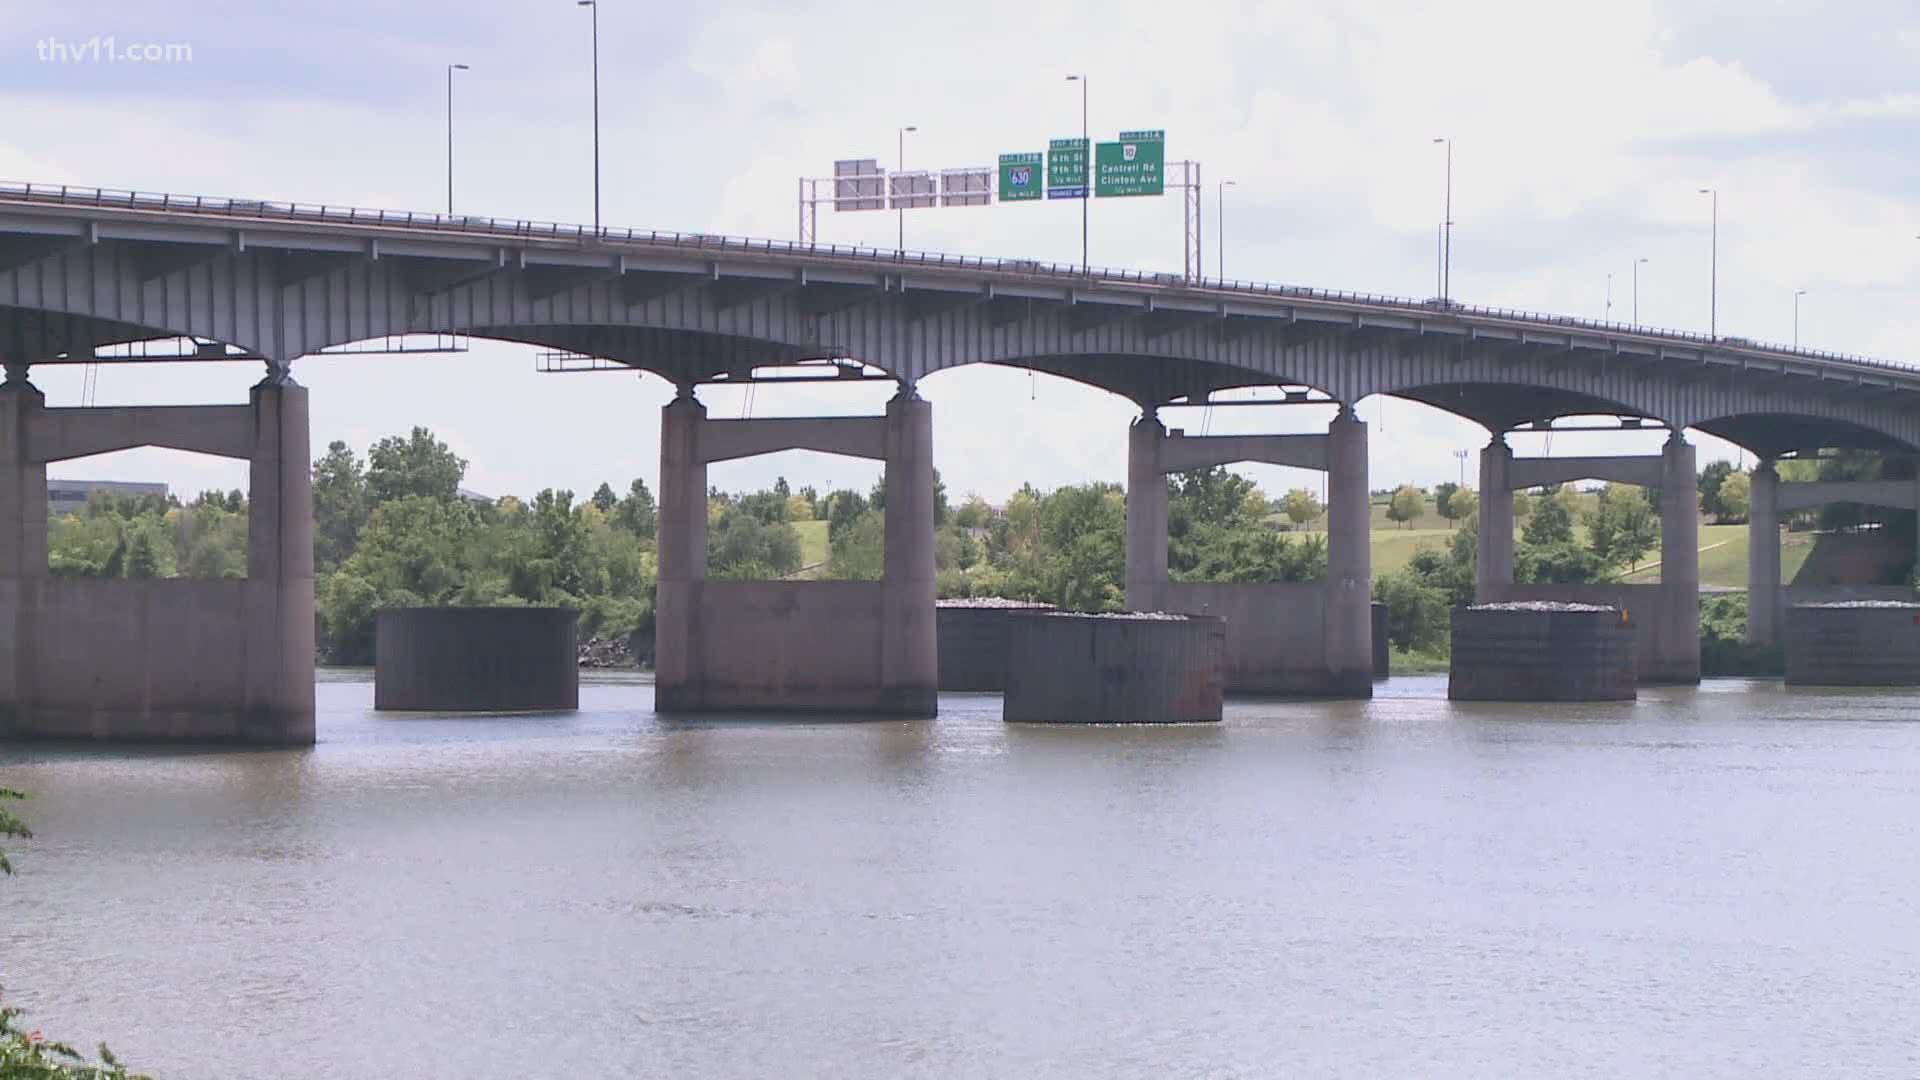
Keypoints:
pixel 1710 883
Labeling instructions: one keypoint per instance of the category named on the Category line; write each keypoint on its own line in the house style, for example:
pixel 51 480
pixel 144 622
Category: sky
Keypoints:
pixel 1582 133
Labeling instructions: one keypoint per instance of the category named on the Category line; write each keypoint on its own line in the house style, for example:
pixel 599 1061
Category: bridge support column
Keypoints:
pixel 220 660
pixel 1347 618
pixel 1146 515
pixel 909 661
pixel 280 566
pixel 23 539
pixel 834 647
pixel 1494 548
pixel 1763 556
pixel 1678 658
pixel 682 557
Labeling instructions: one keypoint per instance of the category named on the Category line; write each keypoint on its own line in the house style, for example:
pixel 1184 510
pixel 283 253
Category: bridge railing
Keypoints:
pixel 554 231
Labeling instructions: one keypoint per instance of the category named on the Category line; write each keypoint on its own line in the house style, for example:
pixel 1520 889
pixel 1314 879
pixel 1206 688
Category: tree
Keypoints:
pixel 339 506
pixel 1622 527
pixel 1301 507
pixel 1522 506
pixel 1417 616
pixel 636 513
pixel 859 552
pixel 604 499
pixel 1551 521
pixel 1441 493
pixel 974 513
pixel 844 507
pixel 1407 505
pixel 1460 505
pixel 1736 497
pixel 143 561
pixel 799 508
pixel 744 548
pixel 419 465
pixel 1711 477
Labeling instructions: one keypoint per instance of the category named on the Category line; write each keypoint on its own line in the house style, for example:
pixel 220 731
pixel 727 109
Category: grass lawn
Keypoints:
pixel 813 541
pixel 1394 548
pixel 1723 557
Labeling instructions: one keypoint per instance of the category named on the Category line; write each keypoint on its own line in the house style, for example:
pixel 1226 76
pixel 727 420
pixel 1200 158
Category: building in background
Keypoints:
pixel 70 496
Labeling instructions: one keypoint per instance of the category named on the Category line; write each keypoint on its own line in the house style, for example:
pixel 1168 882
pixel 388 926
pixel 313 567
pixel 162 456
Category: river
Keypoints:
pixel 1708 883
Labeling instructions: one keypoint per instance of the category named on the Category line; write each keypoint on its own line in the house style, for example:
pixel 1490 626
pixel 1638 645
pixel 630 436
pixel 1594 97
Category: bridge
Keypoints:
pixel 84 272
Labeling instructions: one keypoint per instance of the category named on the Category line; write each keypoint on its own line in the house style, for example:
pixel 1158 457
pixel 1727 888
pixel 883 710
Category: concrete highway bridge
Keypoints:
pixel 85 270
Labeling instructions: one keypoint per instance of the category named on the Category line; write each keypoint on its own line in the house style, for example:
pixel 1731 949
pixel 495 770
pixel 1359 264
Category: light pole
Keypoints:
pixel 1461 455
pixel 594 4
pixel 1086 147
pixel 1609 315
pixel 1446 222
pixel 451 68
pixel 1713 295
pixel 1220 219
pixel 1636 288
pixel 1797 294
pixel 900 208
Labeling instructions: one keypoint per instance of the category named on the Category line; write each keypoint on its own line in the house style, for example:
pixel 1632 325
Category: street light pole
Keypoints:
pixel 1636 289
pixel 1086 146
pixel 451 68
pixel 1609 314
pixel 900 208
pixel 1446 256
pixel 594 4
pixel 1797 294
pixel 1220 223
pixel 1713 295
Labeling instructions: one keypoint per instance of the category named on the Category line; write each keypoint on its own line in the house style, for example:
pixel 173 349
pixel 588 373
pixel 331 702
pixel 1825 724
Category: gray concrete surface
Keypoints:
pixel 1115 669
pixel 476 659
pixel 218 660
pixel 1520 655
pixel 1850 645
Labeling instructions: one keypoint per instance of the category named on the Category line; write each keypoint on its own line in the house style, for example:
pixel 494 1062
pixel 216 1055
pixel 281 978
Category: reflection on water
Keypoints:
pixel 1706 883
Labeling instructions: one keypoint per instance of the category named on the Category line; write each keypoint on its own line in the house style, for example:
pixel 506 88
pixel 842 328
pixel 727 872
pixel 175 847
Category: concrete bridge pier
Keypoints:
pixel 1767 600
pixel 1679 658
pixel 1494 547
pixel 1349 603
pixel 1313 639
pixel 1763 555
pixel 159 659
pixel 846 647
pixel 1146 515
pixel 1666 615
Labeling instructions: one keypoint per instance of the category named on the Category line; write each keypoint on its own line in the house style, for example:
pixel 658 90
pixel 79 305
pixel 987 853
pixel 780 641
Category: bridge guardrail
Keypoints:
pixel 545 230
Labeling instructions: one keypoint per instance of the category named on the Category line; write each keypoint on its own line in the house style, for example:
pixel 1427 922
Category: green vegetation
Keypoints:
pixel 398 534
pixel 151 536
pixel 1724 650
pixel 1068 546
pixel 24 1053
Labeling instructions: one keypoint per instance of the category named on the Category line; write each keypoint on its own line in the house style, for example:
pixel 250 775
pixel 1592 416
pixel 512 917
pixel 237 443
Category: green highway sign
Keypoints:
pixel 1067 169
pixel 1134 165
pixel 1020 178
